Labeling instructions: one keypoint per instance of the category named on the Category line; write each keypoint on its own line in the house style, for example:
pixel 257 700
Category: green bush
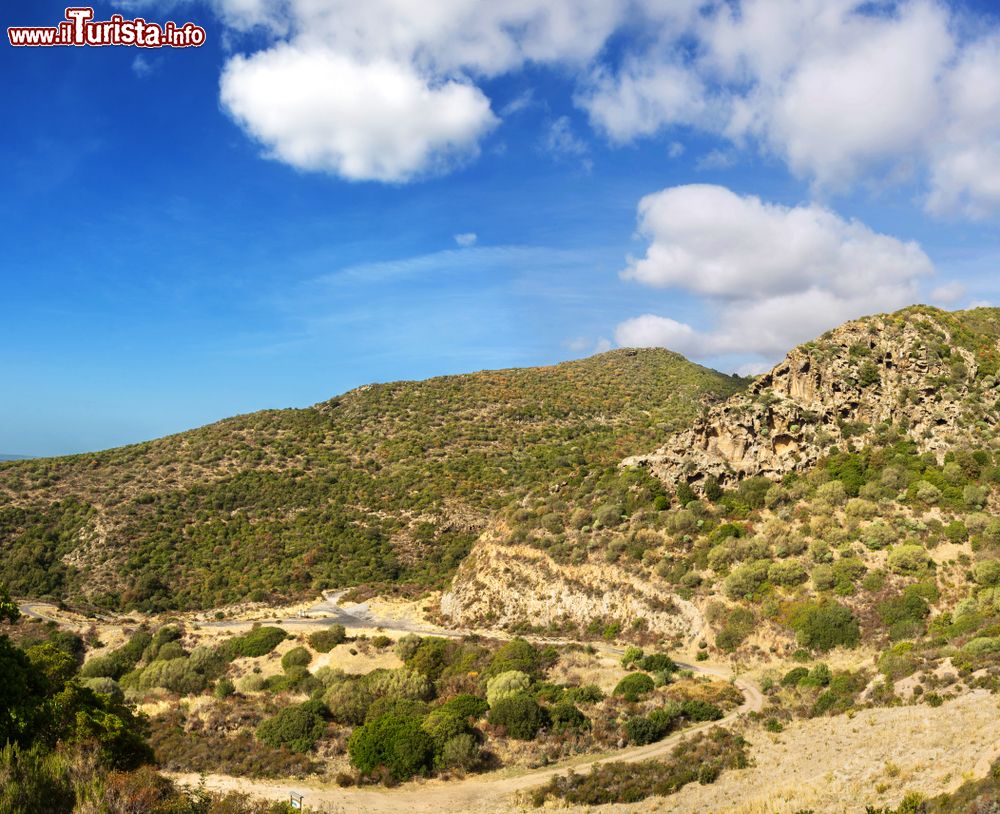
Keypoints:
pixel 296 657
pixel 461 752
pixel 296 728
pixel 566 717
pixel 224 688
pixel 254 643
pixel 794 676
pixel 468 706
pixel 394 742
pixel 323 641
pixel 506 684
pixel 517 654
pixel 908 559
pixel 348 702
pixel 520 715
pixel 747 579
pixel 444 724
pixel 987 573
pixel 695 710
pixel 658 663
pixel 634 686
pixel 825 624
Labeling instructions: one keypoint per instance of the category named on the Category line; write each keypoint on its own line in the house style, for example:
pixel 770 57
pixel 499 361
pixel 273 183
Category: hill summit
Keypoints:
pixel 930 373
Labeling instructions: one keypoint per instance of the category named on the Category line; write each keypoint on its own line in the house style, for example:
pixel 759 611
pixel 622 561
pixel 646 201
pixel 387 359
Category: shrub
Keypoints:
pixel 696 710
pixel 254 643
pixel 794 676
pixel 297 728
pixel 296 657
pixel 908 559
pixel 987 573
pixel 640 731
pixel 396 706
pixel 400 683
pixel 407 646
pixel 506 684
pixel 468 706
pixel 589 694
pixel 520 715
pixel 105 686
pixel 634 686
pixel 567 718
pixel 517 654
pixel 825 624
pixel 633 655
pixel 443 725
pixel 224 688
pixel 658 663
pixel 395 742
pixel 348 702
pixel 323 641
pixel 739 624
pixel 787 573
pixel 698 758
pixel 461 752
pixel 747 579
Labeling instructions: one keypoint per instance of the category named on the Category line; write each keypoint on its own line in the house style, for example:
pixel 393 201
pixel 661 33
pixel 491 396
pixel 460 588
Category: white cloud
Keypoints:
pixel 772 275
pixel 466 239
pixel 142 67
pixel 318 110
pixel 948 293
pixel 716 160
pixel 560 140
pixel 840 90
pixel 965 158
pixel 650 331
pixel 643 97
pixel 603 345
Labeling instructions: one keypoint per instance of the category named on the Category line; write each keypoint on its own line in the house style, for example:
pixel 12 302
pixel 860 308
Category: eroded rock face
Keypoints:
pixel 508 586
pixel 903 369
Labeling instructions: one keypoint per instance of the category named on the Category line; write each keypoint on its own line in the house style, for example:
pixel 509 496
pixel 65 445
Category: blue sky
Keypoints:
pixel 190 234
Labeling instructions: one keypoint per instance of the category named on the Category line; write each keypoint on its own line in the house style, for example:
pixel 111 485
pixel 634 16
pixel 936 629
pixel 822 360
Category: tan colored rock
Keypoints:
pixel 901 369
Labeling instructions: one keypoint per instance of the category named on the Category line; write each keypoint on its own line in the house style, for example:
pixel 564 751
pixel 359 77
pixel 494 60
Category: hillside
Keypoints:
pixel 389 483
pixel 880 529
pixel 931 373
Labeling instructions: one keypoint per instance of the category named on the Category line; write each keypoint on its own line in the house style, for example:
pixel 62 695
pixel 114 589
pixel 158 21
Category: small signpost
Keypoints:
pixel 295 801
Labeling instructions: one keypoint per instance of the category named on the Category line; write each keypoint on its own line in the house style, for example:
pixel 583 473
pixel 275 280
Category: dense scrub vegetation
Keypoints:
pixel 66 747
pixel 387 484
pixel 700 758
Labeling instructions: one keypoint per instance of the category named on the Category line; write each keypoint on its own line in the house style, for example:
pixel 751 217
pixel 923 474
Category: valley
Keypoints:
pixel 627 582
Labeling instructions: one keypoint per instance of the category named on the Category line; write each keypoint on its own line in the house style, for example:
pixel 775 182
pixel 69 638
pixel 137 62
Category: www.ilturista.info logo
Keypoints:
pixel 79 28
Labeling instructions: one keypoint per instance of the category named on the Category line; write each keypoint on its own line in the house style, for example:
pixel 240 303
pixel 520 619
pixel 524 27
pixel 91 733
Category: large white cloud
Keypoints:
pixel 838 89
pixel 842 91
pixel 384 90
pixel 771 275
pixel 318 110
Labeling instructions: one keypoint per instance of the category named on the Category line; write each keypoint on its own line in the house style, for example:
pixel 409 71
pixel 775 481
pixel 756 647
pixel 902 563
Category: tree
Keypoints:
pixel 395 742
pixel 520 715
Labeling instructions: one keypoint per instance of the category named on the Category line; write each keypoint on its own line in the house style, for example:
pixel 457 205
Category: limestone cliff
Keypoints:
pixel 517 586
pixel 928 372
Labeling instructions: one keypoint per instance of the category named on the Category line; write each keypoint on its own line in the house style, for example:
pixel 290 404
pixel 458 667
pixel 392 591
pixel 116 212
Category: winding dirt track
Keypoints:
pixel 475 793
pixel 482 793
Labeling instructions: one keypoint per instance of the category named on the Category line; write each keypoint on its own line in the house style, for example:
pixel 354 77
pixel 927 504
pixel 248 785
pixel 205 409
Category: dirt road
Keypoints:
pixel 481 793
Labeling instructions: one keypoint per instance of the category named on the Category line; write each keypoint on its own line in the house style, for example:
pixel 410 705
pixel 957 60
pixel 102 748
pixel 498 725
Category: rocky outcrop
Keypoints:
pixel 904 369
pixel 513 586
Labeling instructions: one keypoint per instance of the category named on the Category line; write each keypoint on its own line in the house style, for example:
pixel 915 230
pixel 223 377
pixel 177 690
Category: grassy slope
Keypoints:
pixel 386 483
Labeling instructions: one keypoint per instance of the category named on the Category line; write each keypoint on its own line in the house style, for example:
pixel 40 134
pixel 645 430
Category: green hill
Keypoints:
pixel 388 483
